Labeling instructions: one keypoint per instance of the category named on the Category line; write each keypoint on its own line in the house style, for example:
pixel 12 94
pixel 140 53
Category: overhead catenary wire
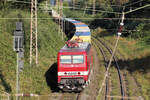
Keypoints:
pixel 130 4
pixel 43 4
pixel 117 40
pixel 18 1
pixel 135 19
pixel 104 4
pixel 99 10
pixel 49 18
pixel 97 18
pixel 26 2
pixel 76 7
pixel 91 6
pixel 54 7
pixel 137 9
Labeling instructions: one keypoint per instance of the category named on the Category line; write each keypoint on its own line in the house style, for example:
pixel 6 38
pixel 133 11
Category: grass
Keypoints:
pixel 136 54
pixel 101 71
pixel 115 82
pixel 32 78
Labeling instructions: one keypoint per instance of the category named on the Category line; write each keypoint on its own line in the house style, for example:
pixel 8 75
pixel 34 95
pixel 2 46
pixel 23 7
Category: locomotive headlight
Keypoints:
pixel 65 73
pixel 61 86
pixel 79 73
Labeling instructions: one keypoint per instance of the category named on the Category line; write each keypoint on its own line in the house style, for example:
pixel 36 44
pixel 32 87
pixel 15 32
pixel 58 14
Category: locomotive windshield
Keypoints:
pixel 72 59
pixel 65 59
pixel 77 59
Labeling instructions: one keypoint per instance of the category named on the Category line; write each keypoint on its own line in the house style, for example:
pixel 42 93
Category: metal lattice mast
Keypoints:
pixel 73 4
pixel 61 15
pixel 93 7
pixel 33 34
pixel 59 21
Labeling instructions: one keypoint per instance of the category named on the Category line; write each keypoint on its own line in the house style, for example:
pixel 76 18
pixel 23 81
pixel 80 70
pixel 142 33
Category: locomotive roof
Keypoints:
pixel 82 47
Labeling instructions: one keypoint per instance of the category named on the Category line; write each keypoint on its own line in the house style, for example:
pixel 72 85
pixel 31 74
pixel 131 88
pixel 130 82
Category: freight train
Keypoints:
pixel 75 59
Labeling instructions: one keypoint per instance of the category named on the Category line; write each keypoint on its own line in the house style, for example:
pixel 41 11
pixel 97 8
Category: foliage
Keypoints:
pixel 22 4
pixel 49 42
pixel 142 32
pixel 32 78
pixel 79 15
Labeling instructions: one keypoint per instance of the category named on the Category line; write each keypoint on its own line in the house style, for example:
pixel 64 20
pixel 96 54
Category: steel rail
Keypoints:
pixel 106 64
pixel 117 67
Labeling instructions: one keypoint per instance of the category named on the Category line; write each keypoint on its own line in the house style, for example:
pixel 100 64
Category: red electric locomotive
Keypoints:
pixel 74 66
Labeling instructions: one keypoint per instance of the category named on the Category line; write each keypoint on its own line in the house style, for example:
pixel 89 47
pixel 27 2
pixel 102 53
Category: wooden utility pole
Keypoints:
pixel 93 7
pixel 33 34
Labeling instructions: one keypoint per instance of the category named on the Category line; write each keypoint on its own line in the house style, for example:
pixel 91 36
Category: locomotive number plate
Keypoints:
pixel 72 73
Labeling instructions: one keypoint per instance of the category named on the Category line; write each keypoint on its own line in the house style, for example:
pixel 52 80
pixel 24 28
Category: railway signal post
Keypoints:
pixel 18 47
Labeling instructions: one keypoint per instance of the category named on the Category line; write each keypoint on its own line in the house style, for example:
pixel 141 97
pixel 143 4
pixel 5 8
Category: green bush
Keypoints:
pixel 142 32
pixel 32 78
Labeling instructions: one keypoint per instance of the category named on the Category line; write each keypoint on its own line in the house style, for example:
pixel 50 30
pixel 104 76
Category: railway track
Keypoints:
pixel 122 85
pixel 126 74
pixel 65 96
pixel 101 45
pixel 123 73
pixel 70 96
pixel 103 52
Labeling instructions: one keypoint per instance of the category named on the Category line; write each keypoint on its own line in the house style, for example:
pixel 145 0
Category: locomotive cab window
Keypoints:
pixel 77 59
pixel 65 59
pixel 69 59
